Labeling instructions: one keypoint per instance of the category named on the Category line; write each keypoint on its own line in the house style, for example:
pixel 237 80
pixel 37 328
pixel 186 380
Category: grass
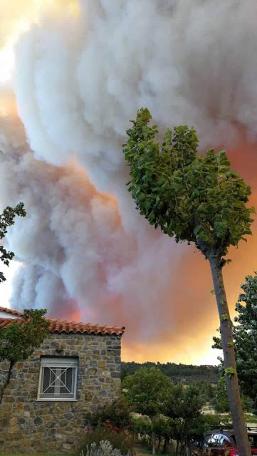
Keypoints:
pixel 142 450
pixel 250 418
pixel 139 451
pixel 35 454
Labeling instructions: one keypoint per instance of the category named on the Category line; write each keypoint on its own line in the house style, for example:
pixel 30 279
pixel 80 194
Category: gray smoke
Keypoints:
pixel 78 82
pixel 78 259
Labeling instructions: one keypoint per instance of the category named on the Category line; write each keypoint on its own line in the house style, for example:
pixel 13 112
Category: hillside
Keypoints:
pixel 184 373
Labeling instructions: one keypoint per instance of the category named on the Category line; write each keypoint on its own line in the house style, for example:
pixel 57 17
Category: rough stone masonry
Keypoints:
pixel 28 424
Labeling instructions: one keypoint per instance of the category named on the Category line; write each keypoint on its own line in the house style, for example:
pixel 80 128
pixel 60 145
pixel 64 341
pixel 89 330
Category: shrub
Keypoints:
pixel 121 441
pixel 104 448
pixel 141 424
pixel 115 415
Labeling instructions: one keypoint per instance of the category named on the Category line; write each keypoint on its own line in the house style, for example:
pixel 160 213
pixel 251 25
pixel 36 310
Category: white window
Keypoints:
pixel 58 379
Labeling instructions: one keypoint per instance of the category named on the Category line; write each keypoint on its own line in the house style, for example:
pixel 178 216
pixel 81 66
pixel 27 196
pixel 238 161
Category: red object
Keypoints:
pixel 66 327
pixel 233 452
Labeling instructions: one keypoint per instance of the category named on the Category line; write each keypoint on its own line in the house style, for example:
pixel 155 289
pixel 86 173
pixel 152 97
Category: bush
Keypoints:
pixel 121 441
pixel 104 448
pixel 141 424
pixel 116 415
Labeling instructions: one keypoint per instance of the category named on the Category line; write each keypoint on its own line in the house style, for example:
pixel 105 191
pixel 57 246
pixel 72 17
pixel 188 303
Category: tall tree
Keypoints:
pixel 195 198
pixel 7 218
pixel 245 338
pixel 19 339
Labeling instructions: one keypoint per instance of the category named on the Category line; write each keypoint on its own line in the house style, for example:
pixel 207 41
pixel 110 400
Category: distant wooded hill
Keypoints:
pixel 179 373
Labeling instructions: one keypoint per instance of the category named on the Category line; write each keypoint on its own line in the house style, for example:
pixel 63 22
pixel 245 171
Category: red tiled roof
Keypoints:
pixel 67 327
pixel 4 322
pixel 59 326
pixel 15 313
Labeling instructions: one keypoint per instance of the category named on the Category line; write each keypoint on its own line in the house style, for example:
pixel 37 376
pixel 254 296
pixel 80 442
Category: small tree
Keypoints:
pixel 245 338
pixel 7 218
pixel 148 391
pixel 184 409
pixel 198 199
pixel 19 339
pixel 220 402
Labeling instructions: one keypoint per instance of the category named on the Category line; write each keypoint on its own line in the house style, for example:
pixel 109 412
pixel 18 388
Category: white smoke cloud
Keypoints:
pixel 79 79
pixel 77 256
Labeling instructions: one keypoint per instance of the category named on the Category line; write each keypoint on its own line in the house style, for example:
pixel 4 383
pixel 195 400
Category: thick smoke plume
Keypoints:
pixel 81 73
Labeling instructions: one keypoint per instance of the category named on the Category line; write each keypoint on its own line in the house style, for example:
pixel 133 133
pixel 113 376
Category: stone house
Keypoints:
pixel 75 370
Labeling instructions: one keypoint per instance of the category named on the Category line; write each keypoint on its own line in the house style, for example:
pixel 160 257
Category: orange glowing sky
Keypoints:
pixel 191 341
pixel 191 338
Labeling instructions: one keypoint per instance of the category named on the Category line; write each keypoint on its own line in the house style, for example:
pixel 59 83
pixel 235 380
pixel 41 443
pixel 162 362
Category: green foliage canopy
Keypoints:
pixel 178 373
pixel 7 218
pixel 168 410
pixel 195 198
pixel 116 415
pixel 245 337
pixel 148 390
pixel 185 402
pixel 221 398
pixel 19 339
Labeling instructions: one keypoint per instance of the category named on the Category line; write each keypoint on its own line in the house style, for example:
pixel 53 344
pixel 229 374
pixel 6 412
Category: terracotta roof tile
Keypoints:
pixel 13 312
pixel 67 327
pixel 4 322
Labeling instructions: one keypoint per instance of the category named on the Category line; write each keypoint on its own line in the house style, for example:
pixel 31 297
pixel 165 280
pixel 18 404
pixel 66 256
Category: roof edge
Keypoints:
pixel 13 312
pixel 57 326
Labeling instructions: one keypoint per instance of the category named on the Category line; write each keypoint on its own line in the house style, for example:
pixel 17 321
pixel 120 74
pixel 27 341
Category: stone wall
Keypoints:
pixel 27 425
pixel 3 373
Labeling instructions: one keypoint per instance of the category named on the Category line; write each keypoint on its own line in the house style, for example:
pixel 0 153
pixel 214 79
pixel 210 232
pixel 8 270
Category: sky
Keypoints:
pixel 71 79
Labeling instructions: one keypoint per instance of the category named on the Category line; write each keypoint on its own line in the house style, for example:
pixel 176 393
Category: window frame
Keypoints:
pixel 58 362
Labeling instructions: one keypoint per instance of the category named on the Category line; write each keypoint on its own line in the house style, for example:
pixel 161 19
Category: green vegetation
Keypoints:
pixel 157 411
pixel 166 410
pixel 195 198
pixel 19 339
pixel 178 373
pixel 148 390
pixel 245 340
pixel 7 218
pixel 35 454
pixel 119 440
pixel 117 414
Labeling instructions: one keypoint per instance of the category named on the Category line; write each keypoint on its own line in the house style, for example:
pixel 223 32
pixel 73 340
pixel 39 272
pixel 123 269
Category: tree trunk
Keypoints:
pixel 157 444
pixel 7 380
pixel 177 447
pixel 165 445
pixel 153 443
pixel 189 449
pixel 238 420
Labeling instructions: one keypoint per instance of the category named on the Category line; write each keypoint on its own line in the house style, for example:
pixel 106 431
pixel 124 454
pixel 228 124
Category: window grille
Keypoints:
pixel 58 379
